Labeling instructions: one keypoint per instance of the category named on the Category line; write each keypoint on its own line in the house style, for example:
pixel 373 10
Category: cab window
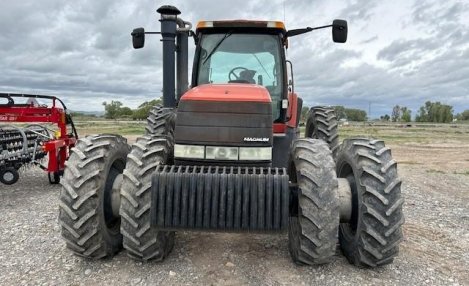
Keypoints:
pixel 242 58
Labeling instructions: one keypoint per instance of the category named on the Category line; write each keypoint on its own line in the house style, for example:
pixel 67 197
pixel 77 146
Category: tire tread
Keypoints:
pixel 377 238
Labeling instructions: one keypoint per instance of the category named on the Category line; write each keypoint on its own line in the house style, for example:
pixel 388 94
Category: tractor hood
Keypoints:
pixel 228 92
pixel 234 115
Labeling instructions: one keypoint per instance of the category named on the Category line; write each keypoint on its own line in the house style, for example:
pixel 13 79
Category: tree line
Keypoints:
pixel 435 112
pixel 351 114
pixel 463 115
pixel 116 110
pixel 398 114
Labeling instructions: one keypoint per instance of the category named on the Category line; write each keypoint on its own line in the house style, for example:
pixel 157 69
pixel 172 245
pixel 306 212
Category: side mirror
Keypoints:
pixel 138 38
pixel 339 31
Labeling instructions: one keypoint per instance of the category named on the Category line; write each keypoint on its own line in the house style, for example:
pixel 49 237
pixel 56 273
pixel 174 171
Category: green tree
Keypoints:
pixel 141 113
pixel 340 112
pixel 125 112
pixel 465 115
pixel 396 113
pixel 112 110
pixel 304 113
pixel 435 112
pixel 401 113
pixel 115 110
pixel 385 117
pixel 353 114
pixel 406 114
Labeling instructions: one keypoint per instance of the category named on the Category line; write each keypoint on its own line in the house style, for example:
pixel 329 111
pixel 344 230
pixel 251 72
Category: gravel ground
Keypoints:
pixel 435 250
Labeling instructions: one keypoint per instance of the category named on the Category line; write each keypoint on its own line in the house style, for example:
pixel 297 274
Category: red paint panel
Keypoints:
pixel 231 92
pixel 280 128
pixel 292 109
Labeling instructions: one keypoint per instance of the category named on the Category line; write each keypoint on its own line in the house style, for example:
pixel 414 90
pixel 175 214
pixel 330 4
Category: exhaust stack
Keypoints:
pixel 168 32
pixel 173 27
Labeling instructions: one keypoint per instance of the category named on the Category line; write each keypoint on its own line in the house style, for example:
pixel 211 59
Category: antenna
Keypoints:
pixel 284 22
pixel 284 12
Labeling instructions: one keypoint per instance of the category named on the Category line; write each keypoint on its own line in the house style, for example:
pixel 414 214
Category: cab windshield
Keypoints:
pixel 243 58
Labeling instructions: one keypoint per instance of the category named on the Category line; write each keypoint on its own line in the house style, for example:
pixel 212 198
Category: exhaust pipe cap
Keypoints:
pixel 168 10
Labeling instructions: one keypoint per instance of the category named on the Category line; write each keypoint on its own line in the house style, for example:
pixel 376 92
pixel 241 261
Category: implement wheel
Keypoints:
pixel 314 219
pixel 372 235
pixel 54 178
pixel 90 196
pixel 142 240
pixel 9 176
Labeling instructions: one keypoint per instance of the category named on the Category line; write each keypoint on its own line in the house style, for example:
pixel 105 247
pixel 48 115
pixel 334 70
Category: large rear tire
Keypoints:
pixel 160 121
pixel 142 240
pixel 322 124
pixel 314 219
pixel 89 224
pixel 371 238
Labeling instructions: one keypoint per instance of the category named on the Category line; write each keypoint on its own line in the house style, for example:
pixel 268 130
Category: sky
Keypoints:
pixel 401 52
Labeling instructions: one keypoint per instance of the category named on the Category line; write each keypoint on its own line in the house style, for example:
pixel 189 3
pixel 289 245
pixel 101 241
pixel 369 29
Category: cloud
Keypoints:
pixel 369 40
pixel 358 10
pixel 398 52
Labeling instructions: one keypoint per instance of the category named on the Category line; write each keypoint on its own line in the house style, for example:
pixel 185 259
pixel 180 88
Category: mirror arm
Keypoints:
pixel 138 34
pixel 191 33
pixel 296 32
pixel 321 27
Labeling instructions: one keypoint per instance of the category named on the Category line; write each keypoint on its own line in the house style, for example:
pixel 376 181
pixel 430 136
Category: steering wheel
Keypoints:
pixel 236 76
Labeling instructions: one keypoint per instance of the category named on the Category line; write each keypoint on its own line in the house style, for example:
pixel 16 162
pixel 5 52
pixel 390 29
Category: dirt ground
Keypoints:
pixel 435 250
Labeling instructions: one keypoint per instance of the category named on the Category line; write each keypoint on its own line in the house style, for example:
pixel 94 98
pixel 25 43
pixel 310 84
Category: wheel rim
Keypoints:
pixel 8 176
pixel 350 228
pixel 112 221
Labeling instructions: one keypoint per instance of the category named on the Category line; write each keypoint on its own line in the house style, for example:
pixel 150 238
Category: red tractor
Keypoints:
pixel 226 155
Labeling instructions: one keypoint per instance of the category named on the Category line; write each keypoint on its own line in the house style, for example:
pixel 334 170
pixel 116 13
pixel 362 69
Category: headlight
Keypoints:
pixel 255 153
pixel 189 151
pixel 221 153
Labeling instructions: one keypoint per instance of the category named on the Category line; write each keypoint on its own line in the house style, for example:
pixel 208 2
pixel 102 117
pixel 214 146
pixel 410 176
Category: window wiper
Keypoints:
pixel 262 66
pixel 216 46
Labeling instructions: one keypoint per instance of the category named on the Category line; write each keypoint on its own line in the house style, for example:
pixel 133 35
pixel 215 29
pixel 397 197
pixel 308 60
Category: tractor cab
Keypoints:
pixel 242 52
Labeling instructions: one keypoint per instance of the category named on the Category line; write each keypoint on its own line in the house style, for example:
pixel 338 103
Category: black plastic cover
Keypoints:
pixel 231 199
pixel 224 123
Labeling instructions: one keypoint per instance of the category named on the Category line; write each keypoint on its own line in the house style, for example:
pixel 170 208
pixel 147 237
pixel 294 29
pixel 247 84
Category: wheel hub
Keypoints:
pixel 115 195
pixel 345 200
pixel 8 176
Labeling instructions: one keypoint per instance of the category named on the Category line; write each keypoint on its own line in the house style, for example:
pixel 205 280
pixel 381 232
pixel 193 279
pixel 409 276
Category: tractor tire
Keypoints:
pixel 322 124
pixel 86 216
pixel 160 121
pixel 371 238
pixel 142 240
pixel 9 176
pixel 314 219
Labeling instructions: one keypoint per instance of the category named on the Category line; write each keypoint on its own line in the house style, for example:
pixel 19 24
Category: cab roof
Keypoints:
pixel 274 25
